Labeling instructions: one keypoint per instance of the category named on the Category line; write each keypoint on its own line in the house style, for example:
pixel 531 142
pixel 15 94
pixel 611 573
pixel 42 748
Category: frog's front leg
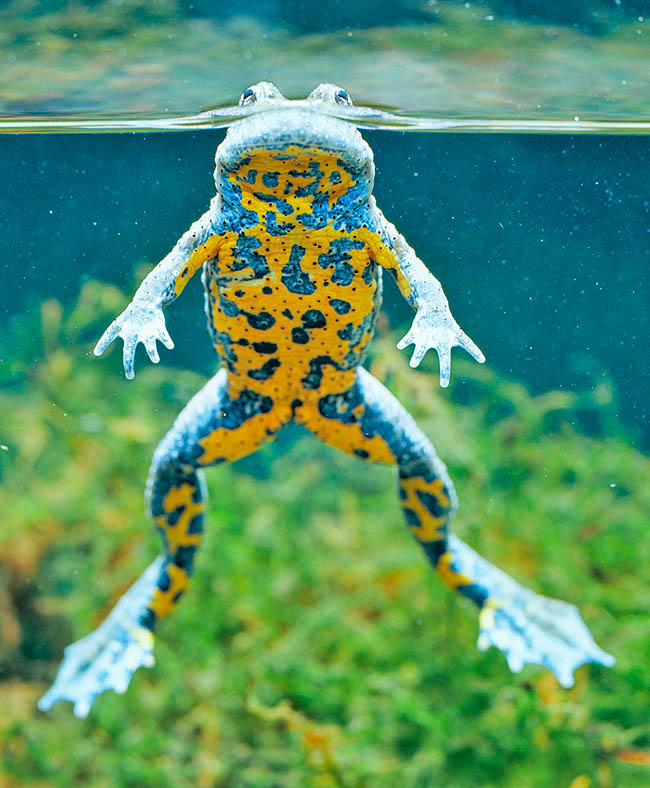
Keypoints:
pixel 143 320
pixel 213 428
pixel 433 326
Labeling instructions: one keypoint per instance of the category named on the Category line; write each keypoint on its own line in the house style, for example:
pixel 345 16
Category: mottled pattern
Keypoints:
pixel 292 249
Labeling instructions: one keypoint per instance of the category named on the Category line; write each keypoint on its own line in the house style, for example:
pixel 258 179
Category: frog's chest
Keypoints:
pixel 282 305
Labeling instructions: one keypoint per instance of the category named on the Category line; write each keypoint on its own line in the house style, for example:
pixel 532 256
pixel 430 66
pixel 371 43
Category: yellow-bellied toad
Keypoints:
pixel 292 249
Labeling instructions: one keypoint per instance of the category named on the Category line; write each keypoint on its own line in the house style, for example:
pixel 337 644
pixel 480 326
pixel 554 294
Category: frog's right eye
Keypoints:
pixel 342 97
pixel 247 97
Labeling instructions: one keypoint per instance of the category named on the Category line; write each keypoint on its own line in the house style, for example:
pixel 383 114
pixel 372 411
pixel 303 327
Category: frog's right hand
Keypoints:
pixel 136 324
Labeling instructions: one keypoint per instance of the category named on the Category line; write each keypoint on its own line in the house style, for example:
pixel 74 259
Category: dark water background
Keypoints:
pixel 542 242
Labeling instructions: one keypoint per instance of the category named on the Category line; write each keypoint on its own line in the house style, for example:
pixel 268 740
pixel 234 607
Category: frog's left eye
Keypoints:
pixel 247 97
pixel 342 97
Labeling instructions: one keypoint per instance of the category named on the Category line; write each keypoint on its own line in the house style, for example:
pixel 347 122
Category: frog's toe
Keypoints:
pixel 106 659
pixel 109 656
pixel 534 629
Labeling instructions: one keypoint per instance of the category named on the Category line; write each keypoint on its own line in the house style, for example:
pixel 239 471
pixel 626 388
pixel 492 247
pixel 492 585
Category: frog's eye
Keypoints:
pixel 247 97
pixel 342 97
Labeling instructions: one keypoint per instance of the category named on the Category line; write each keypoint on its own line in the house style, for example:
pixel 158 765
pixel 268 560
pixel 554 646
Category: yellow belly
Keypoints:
pixel 296 322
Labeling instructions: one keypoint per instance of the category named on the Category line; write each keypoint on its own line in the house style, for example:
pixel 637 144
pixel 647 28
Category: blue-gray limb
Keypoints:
pixel 143 321
pixel 433 325
pixel 527 627
pixel 108 657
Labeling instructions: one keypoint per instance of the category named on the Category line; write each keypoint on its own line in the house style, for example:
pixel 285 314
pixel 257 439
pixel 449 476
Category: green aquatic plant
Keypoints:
pixel 314 647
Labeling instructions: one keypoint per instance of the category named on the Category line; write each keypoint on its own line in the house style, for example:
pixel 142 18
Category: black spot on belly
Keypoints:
pixel 368 272
pixel 347 332
pixel 267 290
pixel 270 179
pixel 299 335
pixel 338 258
pixel 272 226
pixel 265 347
pixel 314 318
pixel 250 177
pixel 293 277
pixel 263 320
pixel 340 306
pixel 229 308
pixel 239 293
pixel 288 313
pixel 246 256
pixel 308 190
pixel 314 377
pixel 266 371
pixel 361 453
pixel 282 206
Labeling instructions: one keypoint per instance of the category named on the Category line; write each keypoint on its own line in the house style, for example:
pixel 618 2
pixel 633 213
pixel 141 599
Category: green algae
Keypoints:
pixel 315 646
pixel 457 59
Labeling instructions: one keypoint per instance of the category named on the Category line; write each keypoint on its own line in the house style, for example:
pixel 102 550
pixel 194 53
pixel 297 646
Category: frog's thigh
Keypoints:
pixel 369 422
pixel 216 426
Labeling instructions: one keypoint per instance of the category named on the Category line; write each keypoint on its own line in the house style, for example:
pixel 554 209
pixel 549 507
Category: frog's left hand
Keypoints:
pixel 137 324
pixel 438 330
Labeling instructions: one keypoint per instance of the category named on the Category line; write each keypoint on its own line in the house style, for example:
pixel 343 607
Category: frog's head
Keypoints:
pixel 293 157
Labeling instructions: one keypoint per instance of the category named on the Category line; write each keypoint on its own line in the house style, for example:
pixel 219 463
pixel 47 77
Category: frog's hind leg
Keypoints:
pixel 215 427
pixel 369 422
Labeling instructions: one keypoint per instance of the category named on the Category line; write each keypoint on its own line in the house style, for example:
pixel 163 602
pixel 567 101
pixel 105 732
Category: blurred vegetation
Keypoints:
pixel 506 58
pixel 315 647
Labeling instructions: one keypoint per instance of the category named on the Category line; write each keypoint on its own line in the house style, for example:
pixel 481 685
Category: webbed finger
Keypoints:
pixel 106 338
pixel 152 350
pixel 418 355
pixel 167 341
pixel 405 341
pixel 471 347
pixel 444 357
pixel 128 357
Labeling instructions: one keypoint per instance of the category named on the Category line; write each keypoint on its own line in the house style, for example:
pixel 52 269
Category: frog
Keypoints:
pixel 292 249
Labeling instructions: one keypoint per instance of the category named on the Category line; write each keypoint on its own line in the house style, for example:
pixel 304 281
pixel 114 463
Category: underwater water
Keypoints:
pixel 315 646
pixel 317 612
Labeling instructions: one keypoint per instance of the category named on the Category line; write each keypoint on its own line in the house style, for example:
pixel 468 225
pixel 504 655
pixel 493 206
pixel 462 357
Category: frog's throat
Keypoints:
pixel 276 130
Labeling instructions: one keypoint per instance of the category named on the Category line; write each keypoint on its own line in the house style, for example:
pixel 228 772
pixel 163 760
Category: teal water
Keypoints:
pixel 541 242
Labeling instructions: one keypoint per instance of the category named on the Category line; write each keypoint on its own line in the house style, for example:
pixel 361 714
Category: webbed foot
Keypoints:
pixel 108 657
pixel 541 631
pixel 527 627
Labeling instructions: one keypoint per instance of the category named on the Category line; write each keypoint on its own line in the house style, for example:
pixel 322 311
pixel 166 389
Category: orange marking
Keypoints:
pixel 230 445
pixel 431 529
pixel 163 602
pixel 346 437
pixel 449 576
pixel 287 163
pixel 386 259
pixel 199 256
pixel 249 296
pixel 177 535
